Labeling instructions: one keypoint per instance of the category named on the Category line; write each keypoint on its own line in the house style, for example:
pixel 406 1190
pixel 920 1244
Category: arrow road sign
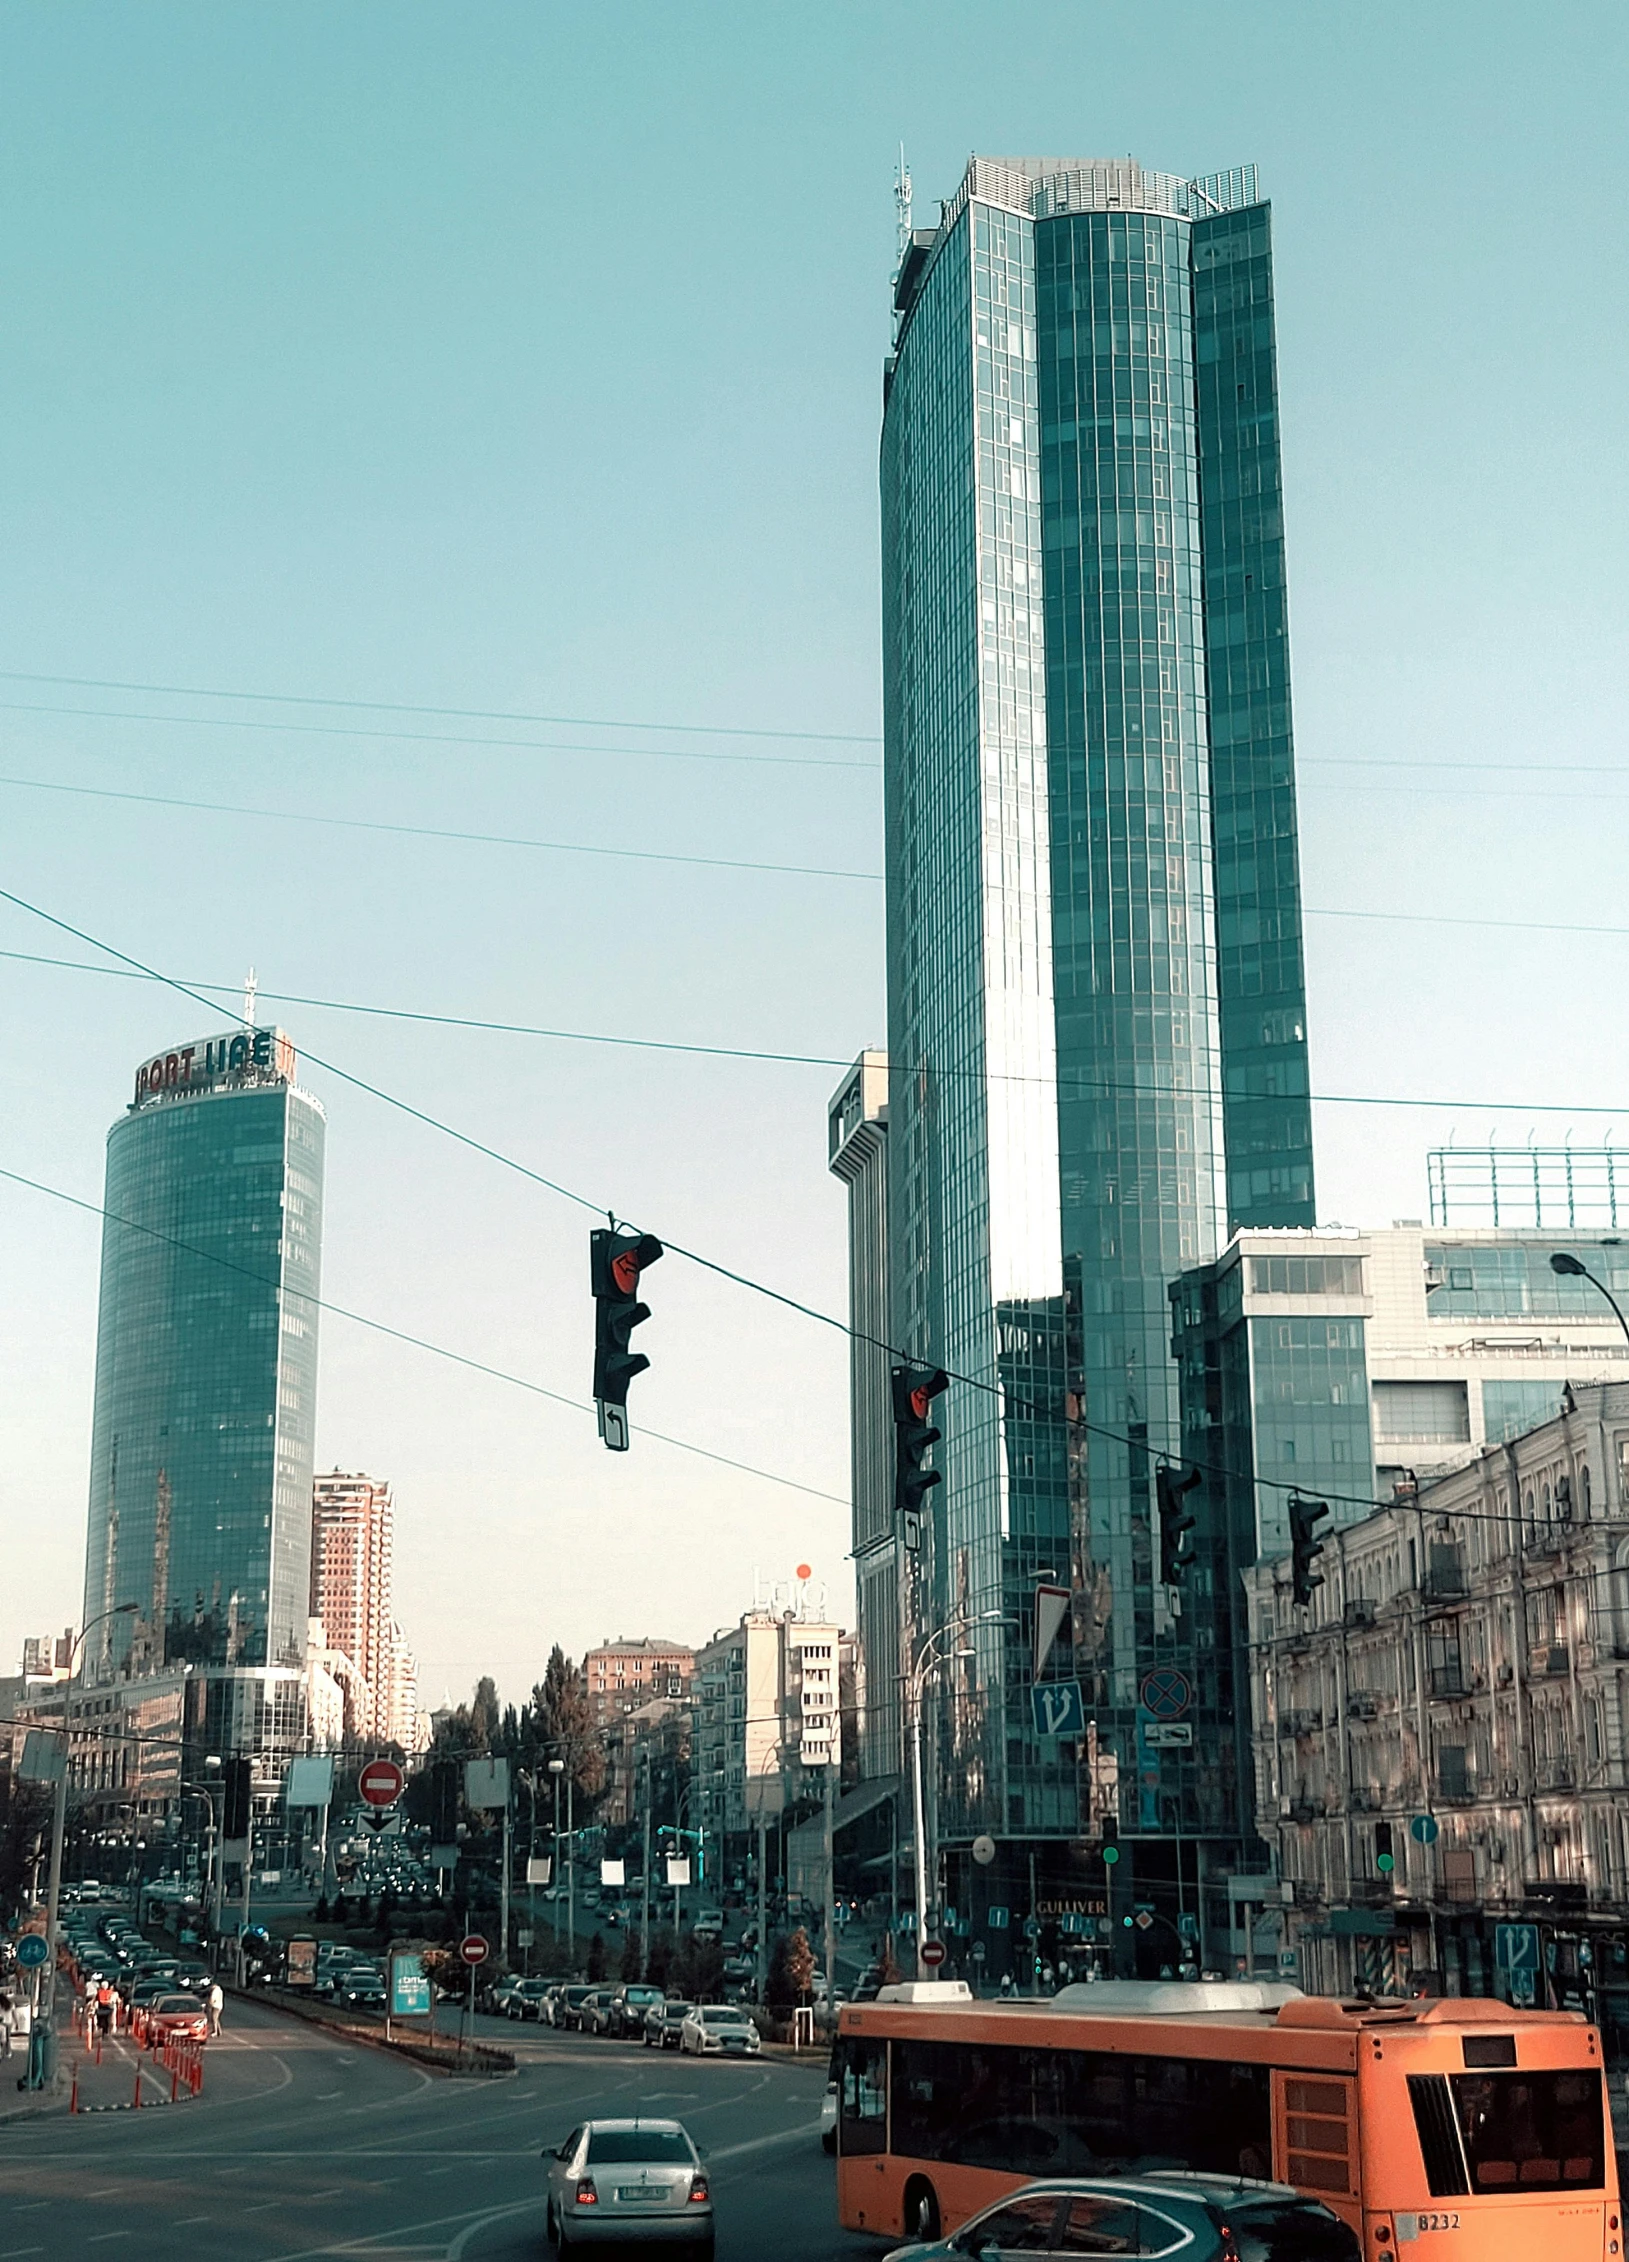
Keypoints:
pixel 380 1783
pixel 473 1949
pixel 1423 1829
pixel 1059 1708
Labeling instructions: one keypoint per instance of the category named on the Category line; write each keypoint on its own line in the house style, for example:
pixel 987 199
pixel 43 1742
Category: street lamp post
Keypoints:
pixel 928 1656
pixel 1571 1268
pixel 557 1768
pixel 775 1752
pixel 59 1824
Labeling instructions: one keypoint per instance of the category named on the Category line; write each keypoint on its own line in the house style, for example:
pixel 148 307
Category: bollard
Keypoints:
pixel 138 2086
pixel 175 2081
pixel 73 2093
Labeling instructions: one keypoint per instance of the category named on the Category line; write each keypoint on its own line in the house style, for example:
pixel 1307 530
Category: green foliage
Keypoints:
pixel 660 1962
pixel 631 1965
pixel 596 1958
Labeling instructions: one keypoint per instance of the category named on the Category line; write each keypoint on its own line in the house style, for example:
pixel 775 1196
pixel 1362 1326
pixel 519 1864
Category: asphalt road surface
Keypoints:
pixel 302 2147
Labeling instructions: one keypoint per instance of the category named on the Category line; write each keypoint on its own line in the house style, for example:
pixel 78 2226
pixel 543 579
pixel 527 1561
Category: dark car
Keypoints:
pixel 1197 2218
pixel 572 2004
pixel 662 2024
pixel 627 2008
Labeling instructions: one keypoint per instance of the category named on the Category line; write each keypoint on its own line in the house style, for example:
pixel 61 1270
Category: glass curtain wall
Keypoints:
pixel 206 1369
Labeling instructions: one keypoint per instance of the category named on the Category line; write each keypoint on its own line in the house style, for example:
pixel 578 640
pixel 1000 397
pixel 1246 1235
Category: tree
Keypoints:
pixel 631 1965
pixel 559 1723
pixel 659 1963
pixel 700 1971
pixel 596 1958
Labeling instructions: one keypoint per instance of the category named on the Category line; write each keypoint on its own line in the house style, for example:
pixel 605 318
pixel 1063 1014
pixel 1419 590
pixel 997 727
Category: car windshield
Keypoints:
pixel 725 2018
pixel 176 2003
pixel 618 2147
pixel 677 2010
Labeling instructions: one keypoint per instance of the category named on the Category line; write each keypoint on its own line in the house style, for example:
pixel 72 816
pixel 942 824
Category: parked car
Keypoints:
pixel 709 1924
pixel 1204 2218
pixel 502 1998
pixel 628 2006
pixel 568 2004
pixel 719 2030
pixel 629 2182
pixel 594 2015
pixel 527 2000
pixel 171 2015
pixel 662 2024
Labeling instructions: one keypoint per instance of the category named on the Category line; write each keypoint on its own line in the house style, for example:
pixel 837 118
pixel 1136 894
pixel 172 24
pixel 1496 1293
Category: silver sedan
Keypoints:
pixel 616 2182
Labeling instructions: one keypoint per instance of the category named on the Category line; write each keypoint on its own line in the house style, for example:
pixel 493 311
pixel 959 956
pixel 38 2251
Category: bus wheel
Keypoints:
pixel 921 2210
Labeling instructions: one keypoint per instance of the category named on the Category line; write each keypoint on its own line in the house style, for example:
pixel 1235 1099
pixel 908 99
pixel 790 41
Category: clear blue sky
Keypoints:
pixel 527 357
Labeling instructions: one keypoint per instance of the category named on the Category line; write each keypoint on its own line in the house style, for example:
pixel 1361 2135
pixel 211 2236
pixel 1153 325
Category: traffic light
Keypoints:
pixel 444 1802
pixel 1111 1840
pixel 1175 1524
pixel 1384 1859
pixel 915 1389
pixel 1305 1545
pixel 615 1262
pixel 238 1781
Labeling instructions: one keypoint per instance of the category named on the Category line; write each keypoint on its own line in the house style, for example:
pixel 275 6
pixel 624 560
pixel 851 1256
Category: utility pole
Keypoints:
pixel 508 1864
pixel 644 1881
pixel 571 1876
pixel 831 1886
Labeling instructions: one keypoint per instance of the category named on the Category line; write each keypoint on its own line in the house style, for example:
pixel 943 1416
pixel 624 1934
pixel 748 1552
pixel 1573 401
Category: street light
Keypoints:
pixel 1571 1268
pixel 927 1657
pixel 557 1768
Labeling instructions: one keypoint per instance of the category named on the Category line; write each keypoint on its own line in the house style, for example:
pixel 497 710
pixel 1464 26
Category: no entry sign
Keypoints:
pixel 380 1782
pixel 473 1948
pixel 932 1953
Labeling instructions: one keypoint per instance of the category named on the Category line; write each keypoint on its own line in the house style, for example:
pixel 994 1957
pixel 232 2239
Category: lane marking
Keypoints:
pixel 785 2136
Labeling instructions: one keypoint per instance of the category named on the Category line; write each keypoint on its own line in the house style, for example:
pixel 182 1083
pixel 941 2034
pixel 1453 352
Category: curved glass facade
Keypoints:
pixel 1096 1001
pixel 206 1370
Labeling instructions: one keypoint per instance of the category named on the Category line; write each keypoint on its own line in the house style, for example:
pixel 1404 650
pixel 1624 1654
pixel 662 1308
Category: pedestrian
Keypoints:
pixel 104 2009
pixel 22 2028
pixel 217 2003
pixel 5 2026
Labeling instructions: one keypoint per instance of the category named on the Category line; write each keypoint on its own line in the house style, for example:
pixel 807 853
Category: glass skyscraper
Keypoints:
pixel 1096 997
pixel 206 1362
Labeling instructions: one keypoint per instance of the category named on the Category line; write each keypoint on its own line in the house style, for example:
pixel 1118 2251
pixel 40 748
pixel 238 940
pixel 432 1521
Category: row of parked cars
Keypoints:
pixel 631 2012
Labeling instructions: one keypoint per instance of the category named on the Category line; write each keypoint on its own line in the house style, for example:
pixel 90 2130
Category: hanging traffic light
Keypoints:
pixel 1111 1840
pixel 1305 1545
pixel 1175 1524
pixel 915 1389
pixel 1384 1859
pixel 615 1262
pixel 444 1802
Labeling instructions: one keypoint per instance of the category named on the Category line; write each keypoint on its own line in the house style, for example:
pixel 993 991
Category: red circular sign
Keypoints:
pixel 380 1782
pixel 473 1948
pixel 931 1953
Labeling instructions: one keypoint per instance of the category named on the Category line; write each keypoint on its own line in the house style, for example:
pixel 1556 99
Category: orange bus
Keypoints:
pixel 1458 2130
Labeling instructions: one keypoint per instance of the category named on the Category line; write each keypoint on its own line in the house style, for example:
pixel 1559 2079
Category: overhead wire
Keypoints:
pixel 1073 1080
pixel 397 1334
pixel 471 714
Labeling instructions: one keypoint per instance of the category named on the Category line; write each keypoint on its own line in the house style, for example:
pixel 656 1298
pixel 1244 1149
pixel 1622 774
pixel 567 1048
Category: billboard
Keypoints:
pixel 256 1055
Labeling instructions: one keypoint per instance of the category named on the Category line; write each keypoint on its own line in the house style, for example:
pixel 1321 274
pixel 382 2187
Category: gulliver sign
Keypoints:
pixel 212 1060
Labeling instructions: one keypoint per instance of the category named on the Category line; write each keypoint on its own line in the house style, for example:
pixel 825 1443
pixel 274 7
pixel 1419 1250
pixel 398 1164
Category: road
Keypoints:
pixel 303 2147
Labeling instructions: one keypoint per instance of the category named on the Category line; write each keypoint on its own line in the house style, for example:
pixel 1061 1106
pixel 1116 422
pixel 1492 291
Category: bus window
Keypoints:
pixel 1531 2131
pixel 862 2099
pixel 1038 2112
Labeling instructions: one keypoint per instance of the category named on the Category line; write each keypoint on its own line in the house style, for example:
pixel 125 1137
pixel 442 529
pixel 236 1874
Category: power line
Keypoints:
pixel 1074 1080
pixel 468 714
pixel 440 738
pixel 397 1334
pixel 997 1390
pixel 434 832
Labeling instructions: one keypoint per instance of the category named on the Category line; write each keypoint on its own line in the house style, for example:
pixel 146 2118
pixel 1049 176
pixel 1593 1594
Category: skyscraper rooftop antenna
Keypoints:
pixel 251 989
pixel 902 209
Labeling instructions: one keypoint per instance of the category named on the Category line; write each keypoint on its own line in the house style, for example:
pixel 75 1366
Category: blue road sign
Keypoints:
pixel 1423 1830
pixel 1516 1947
pixel 1167 1694
pixel 33 1950
pixel 996 1919
pixel 1059 1708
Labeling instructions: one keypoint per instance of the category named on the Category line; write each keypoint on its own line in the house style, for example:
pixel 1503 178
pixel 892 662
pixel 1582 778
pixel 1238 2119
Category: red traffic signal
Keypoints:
pixel 616 1261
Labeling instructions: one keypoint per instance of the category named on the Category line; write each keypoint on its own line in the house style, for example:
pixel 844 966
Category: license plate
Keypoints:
pixel 633 2194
